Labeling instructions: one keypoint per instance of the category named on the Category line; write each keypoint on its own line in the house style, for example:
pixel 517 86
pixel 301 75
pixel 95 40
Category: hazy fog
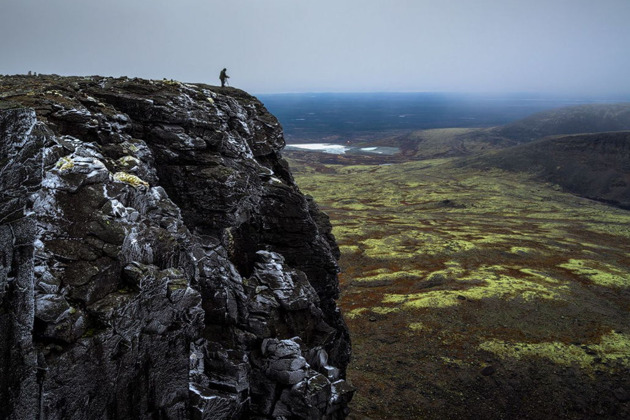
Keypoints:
pixel 559 46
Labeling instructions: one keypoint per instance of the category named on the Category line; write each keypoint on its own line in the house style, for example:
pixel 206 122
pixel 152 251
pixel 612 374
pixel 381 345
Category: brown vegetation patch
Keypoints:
pixel 513 302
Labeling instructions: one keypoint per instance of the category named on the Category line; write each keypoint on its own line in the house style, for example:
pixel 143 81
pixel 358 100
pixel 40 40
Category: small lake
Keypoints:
pixel 339 149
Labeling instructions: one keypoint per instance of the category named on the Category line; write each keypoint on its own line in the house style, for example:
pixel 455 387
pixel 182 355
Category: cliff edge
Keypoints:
pixel 157 259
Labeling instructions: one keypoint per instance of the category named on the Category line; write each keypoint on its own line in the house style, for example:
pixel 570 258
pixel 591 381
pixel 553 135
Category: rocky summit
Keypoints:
pixel 157 259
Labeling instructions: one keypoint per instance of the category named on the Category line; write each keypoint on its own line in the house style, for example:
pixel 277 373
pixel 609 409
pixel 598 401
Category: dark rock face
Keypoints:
pixel 157 259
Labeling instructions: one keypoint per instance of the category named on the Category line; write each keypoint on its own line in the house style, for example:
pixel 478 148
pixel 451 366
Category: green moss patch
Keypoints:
pixel 611 347
pixel 598 272
pixel 446 270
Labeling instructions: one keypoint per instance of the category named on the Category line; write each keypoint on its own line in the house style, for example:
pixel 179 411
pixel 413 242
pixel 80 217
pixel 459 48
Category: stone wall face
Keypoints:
pixel 157 259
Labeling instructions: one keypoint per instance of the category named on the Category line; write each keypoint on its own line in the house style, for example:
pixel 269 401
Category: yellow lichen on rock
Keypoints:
pixel 171 82
pixel 130 179
pixel 65 164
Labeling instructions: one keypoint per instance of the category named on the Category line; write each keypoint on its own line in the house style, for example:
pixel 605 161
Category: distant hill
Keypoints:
pixel 592 118
pixel 585 149
pixel 442 142
pixel 449 142
pixel 595 166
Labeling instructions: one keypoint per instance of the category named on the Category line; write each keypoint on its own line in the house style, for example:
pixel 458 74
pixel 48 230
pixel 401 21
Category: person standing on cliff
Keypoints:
pixel 223 76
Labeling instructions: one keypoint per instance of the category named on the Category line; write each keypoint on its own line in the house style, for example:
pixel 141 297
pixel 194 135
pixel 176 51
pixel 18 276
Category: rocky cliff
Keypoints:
pixel 157 259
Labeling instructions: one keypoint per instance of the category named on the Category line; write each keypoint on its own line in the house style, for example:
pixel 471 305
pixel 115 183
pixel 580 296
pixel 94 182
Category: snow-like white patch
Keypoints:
pixel 335 149
pixel 118 209
pixel 240 145
pixel 339 149
pixel 202 392
pixel 134 249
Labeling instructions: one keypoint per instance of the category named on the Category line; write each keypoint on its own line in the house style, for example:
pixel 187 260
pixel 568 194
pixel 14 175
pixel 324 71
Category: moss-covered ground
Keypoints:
pixel 476 293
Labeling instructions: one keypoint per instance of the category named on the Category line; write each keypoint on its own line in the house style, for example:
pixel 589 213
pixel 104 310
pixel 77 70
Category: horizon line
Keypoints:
pixel 553 95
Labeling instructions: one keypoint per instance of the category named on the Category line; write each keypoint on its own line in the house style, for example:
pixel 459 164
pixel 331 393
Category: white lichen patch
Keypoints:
pixel 53 92
pixel 128 161
pixel 87 170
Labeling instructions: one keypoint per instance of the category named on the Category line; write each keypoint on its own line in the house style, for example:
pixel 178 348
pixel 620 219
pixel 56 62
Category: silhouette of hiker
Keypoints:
pixel 223 76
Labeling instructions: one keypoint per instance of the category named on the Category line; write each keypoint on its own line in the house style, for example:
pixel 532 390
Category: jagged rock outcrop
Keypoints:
pixel 157 259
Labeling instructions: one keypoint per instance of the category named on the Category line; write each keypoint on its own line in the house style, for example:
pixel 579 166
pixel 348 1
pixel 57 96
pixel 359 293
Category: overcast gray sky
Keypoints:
pixel 559 46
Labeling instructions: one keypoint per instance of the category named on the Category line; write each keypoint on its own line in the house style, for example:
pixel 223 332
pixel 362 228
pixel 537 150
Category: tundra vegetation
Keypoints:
pixel 472 292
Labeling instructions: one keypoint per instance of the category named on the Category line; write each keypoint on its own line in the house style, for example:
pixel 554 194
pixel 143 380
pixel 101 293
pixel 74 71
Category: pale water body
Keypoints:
pixel 338 149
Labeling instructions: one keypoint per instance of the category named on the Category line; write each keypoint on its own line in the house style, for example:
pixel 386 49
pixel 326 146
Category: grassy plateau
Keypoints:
pixel 477 293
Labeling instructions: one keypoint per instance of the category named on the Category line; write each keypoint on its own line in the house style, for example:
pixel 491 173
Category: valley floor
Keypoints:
pixel 478 293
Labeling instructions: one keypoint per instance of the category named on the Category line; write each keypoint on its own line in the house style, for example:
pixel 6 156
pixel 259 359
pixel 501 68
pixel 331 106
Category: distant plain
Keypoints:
pixel 348 116
pixel 473 289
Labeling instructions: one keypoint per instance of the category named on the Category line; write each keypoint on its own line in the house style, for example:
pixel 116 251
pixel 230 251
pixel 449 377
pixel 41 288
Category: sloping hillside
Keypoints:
pixel 451 142
pixel 591 165
pixel 592 118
